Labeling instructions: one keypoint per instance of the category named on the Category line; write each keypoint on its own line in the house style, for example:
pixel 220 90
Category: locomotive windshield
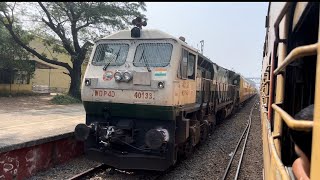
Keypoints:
pixel 112 54
pixel 153 55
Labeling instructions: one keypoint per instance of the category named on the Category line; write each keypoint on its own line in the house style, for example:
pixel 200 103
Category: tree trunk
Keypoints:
pixel 75 76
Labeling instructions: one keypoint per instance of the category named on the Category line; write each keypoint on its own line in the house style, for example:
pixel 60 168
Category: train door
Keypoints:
pixel 204 80
pixel 199 86
pixel 188 75
pixel 207 79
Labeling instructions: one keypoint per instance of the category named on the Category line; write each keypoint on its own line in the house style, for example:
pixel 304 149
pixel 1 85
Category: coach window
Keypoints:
pixel 187 65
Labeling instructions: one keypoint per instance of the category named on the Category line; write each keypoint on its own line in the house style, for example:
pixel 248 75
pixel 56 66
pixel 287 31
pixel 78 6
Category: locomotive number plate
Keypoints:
pixel 143 95
pixel 108 93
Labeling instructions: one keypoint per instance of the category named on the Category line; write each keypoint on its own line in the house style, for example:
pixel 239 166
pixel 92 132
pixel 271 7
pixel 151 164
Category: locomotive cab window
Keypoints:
pixel 110 53
pixel 187 65
pixel 153 55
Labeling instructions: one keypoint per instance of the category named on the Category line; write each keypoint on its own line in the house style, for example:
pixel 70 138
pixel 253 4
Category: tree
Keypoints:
pixel 73 23
pixel 13 58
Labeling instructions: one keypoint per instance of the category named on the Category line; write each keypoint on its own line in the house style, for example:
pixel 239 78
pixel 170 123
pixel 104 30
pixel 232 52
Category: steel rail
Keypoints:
pixel 99 167
pixel 245 142
pixel 237 146
pixel 88 172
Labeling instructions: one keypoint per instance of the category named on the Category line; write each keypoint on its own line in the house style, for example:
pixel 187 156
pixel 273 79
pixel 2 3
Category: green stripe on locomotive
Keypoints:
pixel 131 110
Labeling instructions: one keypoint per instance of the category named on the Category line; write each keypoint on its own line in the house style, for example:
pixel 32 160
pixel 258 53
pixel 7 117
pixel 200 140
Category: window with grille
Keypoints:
pixel 153 55
pixel 114 54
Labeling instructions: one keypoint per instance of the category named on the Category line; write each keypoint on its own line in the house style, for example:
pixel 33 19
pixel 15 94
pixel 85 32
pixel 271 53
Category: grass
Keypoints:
pixel 64 99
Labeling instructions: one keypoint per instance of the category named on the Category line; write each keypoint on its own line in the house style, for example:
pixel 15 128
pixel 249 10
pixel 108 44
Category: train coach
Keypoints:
pixel 247 89
pixel 150 97
pixel 290 96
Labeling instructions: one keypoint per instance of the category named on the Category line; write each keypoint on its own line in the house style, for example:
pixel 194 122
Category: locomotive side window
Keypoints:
pixel 187 65
pixel 184 64
pixel 111 53
pixel 191 63
pixel 153 55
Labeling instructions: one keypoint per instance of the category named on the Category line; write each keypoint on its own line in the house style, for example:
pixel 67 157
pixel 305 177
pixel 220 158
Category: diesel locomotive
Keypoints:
pixel 150 97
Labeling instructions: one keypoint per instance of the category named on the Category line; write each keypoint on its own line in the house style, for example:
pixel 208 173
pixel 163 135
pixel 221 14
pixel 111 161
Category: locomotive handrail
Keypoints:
pixel 296 53
pixel 292 123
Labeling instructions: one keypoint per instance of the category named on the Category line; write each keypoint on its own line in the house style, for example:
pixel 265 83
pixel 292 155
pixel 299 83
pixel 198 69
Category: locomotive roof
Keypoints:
pixel 147 34
pixel 155 34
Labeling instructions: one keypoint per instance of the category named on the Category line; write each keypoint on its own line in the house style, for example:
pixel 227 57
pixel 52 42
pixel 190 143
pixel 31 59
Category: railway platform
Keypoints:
pixel 36 138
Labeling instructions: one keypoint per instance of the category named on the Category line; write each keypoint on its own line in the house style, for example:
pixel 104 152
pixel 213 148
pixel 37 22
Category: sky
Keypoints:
pixel 233 33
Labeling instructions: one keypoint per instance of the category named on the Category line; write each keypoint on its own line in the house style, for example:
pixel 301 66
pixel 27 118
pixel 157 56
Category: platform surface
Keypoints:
pixel 25 125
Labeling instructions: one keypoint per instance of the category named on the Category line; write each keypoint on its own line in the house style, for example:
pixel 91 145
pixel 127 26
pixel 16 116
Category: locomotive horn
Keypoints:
pixel 138 22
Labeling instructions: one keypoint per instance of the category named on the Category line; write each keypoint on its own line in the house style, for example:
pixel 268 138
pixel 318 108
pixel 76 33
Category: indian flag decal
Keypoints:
pixel 160 72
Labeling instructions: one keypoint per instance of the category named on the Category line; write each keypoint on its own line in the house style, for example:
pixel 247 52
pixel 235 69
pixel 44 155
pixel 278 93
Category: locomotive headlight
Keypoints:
pixel 117 76
pixel 155 138
pixel 87 82
pixel 127 76
pixel 160 84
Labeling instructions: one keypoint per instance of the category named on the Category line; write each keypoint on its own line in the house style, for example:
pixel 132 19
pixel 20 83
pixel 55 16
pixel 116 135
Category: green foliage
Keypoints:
pixel 58 49
pixel 90 20
pixel 64 99
pixel 66 26
pixel 13 56
pixel 44 55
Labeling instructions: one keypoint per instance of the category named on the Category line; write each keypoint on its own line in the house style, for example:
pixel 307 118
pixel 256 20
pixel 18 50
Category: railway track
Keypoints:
pixel 245 132
pixel 89 172
pixel 103 168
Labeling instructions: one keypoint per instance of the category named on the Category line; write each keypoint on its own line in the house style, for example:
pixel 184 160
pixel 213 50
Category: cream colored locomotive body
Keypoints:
pixel 143 87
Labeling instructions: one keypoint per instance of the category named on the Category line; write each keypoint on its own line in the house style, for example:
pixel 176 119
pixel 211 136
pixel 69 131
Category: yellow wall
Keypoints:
pixel 15 88
pixel 58 80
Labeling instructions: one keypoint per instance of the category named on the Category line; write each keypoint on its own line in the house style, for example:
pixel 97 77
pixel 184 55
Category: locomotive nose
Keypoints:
pixel 81 132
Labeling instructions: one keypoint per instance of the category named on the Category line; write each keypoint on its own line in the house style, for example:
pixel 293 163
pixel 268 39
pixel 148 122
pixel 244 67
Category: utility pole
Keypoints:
pixel 202 44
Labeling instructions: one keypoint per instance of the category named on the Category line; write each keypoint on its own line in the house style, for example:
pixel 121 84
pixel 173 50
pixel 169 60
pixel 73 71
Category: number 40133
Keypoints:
pixel 143 95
